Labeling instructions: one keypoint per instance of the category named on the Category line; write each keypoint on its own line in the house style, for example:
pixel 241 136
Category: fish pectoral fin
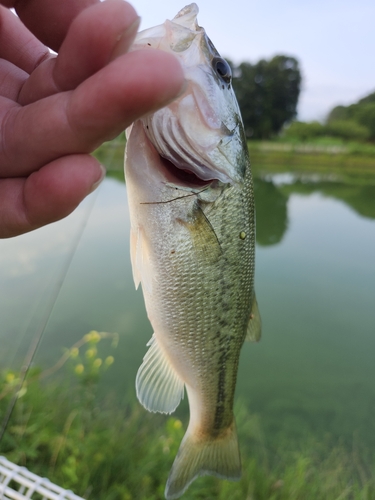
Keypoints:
pixel 140 259
pixel 254 327
pixel 133 256
pixel 198 457
pixel 159 388
pixel 203 236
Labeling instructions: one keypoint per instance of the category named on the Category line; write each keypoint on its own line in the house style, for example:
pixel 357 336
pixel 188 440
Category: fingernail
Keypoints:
pixel 100 180
pixel 125 39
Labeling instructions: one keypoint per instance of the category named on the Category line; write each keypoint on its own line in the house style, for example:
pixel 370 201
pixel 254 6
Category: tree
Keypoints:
pixel 368 99
pixel 267 93
pixel 361 114
pixel 343 128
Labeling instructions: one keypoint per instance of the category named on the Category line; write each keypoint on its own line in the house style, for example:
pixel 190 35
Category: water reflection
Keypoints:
pixel 315 284
pixel 30 271
pixel 360 197
pixel 271 212
pixel 272 193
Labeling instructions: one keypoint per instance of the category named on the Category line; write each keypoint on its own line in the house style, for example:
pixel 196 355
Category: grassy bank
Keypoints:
pixel 105 450
pixel 320 156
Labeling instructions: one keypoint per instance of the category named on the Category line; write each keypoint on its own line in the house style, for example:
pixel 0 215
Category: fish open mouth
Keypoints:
pixel 183 164
pixel 183 176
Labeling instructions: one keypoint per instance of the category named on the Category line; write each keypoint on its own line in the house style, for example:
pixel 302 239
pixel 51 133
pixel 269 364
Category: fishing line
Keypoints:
pixel 173 199
pixel 49 309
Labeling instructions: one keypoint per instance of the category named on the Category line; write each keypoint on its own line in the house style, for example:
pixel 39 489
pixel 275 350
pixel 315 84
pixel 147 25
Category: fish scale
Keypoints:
pixel 192 249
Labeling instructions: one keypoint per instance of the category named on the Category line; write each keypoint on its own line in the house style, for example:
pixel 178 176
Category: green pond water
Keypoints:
pixel 312 373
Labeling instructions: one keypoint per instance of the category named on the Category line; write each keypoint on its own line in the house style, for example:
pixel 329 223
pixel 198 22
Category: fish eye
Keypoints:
pixel 222 68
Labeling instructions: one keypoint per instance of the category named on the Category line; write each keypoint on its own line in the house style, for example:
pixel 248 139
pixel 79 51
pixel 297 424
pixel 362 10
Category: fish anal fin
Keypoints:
pixel 159 388
pixel 197 457
pixel 254 327
pixel 133 256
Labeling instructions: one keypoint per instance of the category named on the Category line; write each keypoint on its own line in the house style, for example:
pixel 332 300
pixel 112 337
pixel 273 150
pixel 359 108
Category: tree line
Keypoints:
pixel 268 93
pixel 354 122
pixel 360 115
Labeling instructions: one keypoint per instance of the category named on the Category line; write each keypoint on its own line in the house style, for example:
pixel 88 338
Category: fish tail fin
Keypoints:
pixel 197 457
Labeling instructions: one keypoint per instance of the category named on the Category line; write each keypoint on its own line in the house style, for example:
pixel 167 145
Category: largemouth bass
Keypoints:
pixel 191 208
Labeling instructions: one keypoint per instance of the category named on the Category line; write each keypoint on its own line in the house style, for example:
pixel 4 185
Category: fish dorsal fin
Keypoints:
pixel 140 259
pixel 187 17
pixel 254 327
pixel 159 389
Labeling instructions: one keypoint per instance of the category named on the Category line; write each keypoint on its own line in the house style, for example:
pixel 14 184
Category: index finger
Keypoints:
pixel 100 108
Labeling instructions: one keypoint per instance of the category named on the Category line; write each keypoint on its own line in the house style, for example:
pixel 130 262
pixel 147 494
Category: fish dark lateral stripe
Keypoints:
pixel 221 393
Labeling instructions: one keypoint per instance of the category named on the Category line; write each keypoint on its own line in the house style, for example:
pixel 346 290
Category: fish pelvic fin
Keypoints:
pixel 254 327
pixel 159 388
pixel 218 457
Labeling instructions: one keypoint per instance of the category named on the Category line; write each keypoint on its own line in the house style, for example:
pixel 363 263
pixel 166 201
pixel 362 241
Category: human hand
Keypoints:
pixel 54 111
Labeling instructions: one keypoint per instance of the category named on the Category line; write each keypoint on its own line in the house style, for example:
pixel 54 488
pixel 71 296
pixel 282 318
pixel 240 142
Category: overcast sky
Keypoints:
pixel 333 40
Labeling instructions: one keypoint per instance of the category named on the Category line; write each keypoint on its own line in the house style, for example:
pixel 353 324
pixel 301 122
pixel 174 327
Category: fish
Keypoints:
pixel 192 246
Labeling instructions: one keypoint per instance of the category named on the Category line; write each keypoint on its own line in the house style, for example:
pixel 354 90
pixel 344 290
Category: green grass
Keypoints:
pixel 332 145
pixel 323 155
pixel 105 450
pixel 111 155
